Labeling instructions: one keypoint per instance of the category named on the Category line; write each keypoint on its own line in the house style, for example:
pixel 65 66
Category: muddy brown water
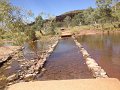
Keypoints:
pixel 66 62
pixel 105 49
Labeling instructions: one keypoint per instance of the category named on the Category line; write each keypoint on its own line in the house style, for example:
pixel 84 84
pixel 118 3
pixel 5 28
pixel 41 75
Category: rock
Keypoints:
pixel 21 65
pixel 29 75
pixel 31 70
pixel 96 69
pixel 12 77
pixel 44 59
pixel 42 56
pixel 50 50
pixel 85 53
pixel 53 46
pixel 8 67
pixel 91 67
pixel 96 74
pixel 91 62
pixel 10 83
pixel 43 69
pixel 102 73
pixel 20 60
pixel 78 44
pixel 5 59
pixel 90 59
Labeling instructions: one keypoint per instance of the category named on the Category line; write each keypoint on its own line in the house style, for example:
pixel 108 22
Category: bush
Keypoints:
pixel 31 35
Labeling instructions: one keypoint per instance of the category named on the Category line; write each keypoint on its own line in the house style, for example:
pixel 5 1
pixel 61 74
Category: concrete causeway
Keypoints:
pixel 80 84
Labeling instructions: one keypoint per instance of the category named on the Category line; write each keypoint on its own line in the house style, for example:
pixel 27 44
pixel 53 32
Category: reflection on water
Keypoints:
pixel 32 50
pixel 106 50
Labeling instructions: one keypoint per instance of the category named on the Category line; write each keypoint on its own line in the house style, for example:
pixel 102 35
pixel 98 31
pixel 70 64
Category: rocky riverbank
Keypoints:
pixel 20 69
pixel 7 56
pixel 6 53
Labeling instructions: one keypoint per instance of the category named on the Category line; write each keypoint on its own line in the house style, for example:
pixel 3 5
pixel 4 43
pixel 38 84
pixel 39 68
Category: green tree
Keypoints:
pixel 78 20
pixel 87 15
pixel 67 20
pixel 12 21
pixel 104 11
pixel 39 24
pixel 104 3
pixel 116 10
pixel 5 13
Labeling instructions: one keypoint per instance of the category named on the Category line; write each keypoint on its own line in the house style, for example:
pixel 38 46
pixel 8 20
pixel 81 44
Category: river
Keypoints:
pixel 105 49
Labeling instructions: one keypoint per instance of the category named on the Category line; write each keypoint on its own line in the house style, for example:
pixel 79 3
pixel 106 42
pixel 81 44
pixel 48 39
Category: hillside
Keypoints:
pixel 60 18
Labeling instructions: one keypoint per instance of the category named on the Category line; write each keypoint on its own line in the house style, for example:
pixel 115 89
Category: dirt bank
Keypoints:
pixel 7 50
pixel 92 32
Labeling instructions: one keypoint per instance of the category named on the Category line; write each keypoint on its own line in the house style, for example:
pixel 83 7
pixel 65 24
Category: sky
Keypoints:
pixel 53 7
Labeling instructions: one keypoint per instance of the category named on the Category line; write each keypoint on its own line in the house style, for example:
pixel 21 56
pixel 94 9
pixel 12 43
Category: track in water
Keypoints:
pixel 66 62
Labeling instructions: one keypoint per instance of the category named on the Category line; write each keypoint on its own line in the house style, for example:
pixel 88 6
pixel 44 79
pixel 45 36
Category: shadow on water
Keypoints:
pixel 105 49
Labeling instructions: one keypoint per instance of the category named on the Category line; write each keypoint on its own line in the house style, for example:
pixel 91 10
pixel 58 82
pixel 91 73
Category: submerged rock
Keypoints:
pixel 43 69
pixel 13 77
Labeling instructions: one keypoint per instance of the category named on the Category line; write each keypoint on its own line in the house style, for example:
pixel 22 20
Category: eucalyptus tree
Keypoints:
pixel 12 21
pixel 116 10
pixel 104 11
pixel 104 8
pixel 78 19
pixel 5 13
pixel 87 15
pixel 67 21
pixel 39 23
pixel 50 25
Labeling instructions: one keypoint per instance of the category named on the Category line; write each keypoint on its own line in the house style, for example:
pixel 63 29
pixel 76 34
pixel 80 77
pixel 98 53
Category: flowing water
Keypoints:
pixel 105 49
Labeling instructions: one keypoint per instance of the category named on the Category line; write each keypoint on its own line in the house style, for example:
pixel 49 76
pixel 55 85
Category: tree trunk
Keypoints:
pixel 41 32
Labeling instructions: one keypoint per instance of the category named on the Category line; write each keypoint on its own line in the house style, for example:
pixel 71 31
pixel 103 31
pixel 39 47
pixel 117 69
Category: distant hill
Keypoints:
pixel 60 18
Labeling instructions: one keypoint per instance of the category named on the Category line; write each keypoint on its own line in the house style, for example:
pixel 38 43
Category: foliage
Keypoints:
pixel 30 33
pixel 107 11
pixel 67 21
pixel 78 20
pixel 13 22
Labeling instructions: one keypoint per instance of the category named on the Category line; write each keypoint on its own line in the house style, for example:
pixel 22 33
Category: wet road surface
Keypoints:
pixel 66 62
